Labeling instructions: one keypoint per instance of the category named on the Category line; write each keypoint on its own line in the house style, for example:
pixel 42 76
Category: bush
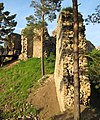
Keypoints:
pixel 94 68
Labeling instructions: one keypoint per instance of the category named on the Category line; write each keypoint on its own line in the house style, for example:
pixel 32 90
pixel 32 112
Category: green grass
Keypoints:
pixel 15 84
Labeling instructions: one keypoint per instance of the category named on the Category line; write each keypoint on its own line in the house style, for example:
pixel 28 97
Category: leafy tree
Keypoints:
pixel 7 23
pixel 95 17
pixel 32 23
pixel 44 10
pixel 94 56
pixel 76 63
pixel 94 68
pixel 94 77
pixel 28 31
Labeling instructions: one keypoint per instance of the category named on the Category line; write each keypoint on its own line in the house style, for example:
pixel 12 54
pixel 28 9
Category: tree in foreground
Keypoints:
pixel 76 63
pixel 44 10
pixel 7 23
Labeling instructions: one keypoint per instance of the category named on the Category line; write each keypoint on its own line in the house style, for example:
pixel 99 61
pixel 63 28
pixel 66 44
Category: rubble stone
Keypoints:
pixel 64 62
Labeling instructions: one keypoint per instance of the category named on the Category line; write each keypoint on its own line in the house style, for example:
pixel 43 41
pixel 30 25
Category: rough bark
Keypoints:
pixel 76 63
pixel 42 41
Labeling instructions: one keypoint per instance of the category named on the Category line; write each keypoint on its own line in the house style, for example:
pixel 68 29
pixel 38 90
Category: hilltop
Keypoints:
pixel 16 82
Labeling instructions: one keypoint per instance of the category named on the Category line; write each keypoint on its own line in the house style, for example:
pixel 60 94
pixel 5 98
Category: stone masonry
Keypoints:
pixel 32 47
pixel 23 55
pixel 64 61
pixel 13 44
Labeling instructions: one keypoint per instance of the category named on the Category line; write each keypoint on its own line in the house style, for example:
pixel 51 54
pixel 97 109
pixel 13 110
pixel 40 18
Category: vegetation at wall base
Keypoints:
pixel 94 76
pixel 15 85
pixel 94 68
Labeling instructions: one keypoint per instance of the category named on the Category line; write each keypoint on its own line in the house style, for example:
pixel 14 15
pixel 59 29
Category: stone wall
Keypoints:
pixel 58 75
pixel 37 43
pixel 32 47
pixel 23 55
pixel 64 61
pixel 13 44
pixel 49 44
pixel 90 46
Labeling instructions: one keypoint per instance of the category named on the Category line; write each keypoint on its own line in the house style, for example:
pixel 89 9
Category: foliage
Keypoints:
pixel 70 9
pixel 94 68
pixel 50 6
pixel 32 21
pixel 95 17
pixel 31 25
pixel 28 31
pixel 15 85
pixel 35 21
pixel 51 63
pixel 7 22
pixel 43 9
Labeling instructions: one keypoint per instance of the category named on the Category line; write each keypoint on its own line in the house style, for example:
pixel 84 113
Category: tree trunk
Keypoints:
pixel 76 63
pixel 42 41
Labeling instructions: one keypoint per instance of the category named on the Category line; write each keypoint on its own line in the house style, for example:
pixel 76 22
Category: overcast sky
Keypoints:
pixel 22 9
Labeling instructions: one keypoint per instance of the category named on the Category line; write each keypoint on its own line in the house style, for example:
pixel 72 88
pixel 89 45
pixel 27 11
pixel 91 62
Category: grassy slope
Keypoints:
pixel 15 84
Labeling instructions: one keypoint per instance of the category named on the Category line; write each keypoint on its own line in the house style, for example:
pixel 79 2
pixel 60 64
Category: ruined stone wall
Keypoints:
pixel 13 44
pixel 64 62
pixel 23 55
pixel 37 43
pixel 49 43
pixel 58 75
pixel 31 47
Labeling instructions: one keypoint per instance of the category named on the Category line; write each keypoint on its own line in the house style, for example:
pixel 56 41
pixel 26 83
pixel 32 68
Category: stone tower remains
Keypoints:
pixel 32 47
pixel 64 61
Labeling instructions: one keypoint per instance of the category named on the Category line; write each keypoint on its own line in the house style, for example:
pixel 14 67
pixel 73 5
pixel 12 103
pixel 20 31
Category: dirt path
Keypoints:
pixel 45 99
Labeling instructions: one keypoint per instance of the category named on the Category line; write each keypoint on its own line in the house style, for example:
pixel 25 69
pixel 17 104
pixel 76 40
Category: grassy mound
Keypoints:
pixel 15 84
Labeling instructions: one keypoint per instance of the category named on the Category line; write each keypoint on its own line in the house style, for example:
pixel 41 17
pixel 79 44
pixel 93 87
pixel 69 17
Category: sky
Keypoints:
pixel 22 9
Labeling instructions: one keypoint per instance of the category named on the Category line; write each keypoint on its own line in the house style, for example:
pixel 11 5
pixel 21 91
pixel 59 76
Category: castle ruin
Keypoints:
pixel 63 74
pixel 64 61
pixel 32 47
